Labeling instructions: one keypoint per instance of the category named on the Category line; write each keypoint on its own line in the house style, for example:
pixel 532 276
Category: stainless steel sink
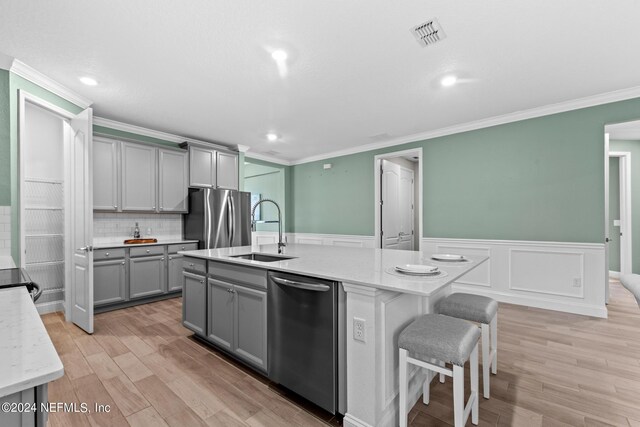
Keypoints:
pixel 255 256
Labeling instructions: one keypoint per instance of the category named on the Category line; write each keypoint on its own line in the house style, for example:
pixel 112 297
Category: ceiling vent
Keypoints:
pixel 428 33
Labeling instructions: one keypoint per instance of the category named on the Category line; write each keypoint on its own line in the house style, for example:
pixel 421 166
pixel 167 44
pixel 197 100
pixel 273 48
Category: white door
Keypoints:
pixel 81 234
pixel 390 200
pixel 405 206
pixel 397 206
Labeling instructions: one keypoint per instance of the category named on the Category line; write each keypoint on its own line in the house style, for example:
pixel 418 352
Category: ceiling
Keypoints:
pixel 203 69
pixel 624 131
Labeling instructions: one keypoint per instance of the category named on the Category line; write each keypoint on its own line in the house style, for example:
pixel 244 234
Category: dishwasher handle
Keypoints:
pixel 308 286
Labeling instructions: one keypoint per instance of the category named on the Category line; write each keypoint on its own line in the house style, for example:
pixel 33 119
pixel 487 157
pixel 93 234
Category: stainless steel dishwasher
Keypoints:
pixel 306 338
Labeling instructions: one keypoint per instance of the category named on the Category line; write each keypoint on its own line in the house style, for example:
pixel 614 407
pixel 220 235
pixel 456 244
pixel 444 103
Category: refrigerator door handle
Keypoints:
pixel 229 219
pixel 232 220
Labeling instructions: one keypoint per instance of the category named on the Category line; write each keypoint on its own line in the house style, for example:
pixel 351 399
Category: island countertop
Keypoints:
pixel 363 266
pixel 27 355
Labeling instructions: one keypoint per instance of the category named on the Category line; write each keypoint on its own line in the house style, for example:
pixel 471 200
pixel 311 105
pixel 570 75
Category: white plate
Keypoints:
pixel 417 269
pixel 448 257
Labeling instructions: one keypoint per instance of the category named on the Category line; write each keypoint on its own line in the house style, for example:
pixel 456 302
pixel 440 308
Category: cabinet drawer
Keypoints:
pixel 239 274
pixel 173 249
pixel 147 250
pixel 195 264
pixel 115 253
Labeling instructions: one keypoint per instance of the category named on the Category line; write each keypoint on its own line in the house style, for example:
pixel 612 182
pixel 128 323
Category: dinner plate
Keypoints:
pixel 448 257
pixel 417 269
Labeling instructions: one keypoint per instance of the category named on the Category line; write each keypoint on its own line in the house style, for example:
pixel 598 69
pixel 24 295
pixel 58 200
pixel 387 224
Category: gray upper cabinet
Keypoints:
pixel 173 180
pixel 147 276
pixel 106 174
pixel 227 170
pixel 139 177
pixel 202 167
pixel 250 313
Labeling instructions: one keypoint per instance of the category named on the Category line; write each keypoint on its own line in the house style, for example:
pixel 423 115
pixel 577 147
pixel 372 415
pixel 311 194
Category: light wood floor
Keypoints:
pixel 554 369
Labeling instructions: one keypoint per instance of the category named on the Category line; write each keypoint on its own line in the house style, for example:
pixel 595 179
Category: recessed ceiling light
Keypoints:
pixel 89 81
pixel 279 55
pixel 448 81
pixel 272 137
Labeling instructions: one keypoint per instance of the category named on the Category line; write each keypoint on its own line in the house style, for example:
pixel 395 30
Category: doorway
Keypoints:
pixel 56 206
pixel 398 201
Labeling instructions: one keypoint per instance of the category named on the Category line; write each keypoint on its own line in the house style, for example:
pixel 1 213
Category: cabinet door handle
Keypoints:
pixel 191 264
pixel 122 262
pixel 162 259
pixel 201 281
pixel 170 258
pixel 148 250
pixel 115 206
pixel 106 254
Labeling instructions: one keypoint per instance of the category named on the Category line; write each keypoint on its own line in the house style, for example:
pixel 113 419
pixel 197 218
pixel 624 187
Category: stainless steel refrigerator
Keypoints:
pixel 218 218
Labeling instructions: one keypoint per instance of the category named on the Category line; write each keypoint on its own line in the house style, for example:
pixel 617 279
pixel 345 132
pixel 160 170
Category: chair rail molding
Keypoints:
pixel 560 276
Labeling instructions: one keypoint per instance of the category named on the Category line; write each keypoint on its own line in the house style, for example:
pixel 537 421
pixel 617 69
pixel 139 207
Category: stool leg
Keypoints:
pixel 425 388
pixel 458 396
pixel 474 385
pixel 442 377
pixel 403 388
pixel 494 344
pixel 486 363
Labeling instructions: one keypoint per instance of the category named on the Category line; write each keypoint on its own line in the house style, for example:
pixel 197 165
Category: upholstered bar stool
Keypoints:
pixel 482 310
pixel 431 341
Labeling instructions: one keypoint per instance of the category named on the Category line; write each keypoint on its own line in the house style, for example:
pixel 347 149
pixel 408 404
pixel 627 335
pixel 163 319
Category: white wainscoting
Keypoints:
pixel 332 240
pixel 560 276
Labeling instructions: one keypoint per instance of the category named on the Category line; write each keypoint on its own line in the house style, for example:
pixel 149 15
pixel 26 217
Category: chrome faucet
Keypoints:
pixel 281 244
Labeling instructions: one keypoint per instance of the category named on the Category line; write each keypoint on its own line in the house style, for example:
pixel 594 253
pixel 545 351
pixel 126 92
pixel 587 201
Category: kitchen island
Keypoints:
pixel 29 360
pixel 383 301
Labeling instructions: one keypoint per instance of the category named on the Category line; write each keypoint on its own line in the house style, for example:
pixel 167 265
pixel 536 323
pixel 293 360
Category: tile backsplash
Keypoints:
pixel 5 230
pixel 108 227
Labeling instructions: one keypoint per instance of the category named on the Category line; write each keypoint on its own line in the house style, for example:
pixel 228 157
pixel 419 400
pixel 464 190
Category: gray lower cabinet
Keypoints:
pixel 147 276
pixel 174 268
pixel 109 282
pixel 250 319
pixel 237 320
pixel 194 302
pixel 31 400
pixel 220 313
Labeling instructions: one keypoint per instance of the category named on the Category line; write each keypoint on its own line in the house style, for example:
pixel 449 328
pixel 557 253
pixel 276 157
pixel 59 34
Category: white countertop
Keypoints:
pixel 120 243
pixel 6 262
pixel 362 266
pixel 27 355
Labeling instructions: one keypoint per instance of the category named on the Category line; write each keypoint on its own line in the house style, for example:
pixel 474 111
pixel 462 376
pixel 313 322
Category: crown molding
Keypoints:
pixel 23 70
pixel 6 61
pixel 139 130
pixel 243 148
pixel 561 107
pixel 267 158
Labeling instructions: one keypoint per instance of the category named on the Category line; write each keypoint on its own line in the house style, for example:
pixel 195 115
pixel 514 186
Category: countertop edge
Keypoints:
pixel 122 245
pixel 32 382
pixel 268 266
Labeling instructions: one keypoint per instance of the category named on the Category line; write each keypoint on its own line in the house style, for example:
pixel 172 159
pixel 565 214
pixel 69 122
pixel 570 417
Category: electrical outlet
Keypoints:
pixel 359 329
pixel 577 282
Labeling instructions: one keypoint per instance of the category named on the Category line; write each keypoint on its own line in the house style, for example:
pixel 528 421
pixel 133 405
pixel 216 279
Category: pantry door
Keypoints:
pixel 81 210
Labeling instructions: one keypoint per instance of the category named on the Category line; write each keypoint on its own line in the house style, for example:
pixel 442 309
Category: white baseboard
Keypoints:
pixel 50 307
pixel 561 276
pixel 614 274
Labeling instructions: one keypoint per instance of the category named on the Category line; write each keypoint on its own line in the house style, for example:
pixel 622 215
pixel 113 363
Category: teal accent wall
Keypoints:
pixel 633 147
pixel 5 145
pixel 540 179
pixel 273 181
pixel 268 182
pixel 17 83
pixel 614 212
